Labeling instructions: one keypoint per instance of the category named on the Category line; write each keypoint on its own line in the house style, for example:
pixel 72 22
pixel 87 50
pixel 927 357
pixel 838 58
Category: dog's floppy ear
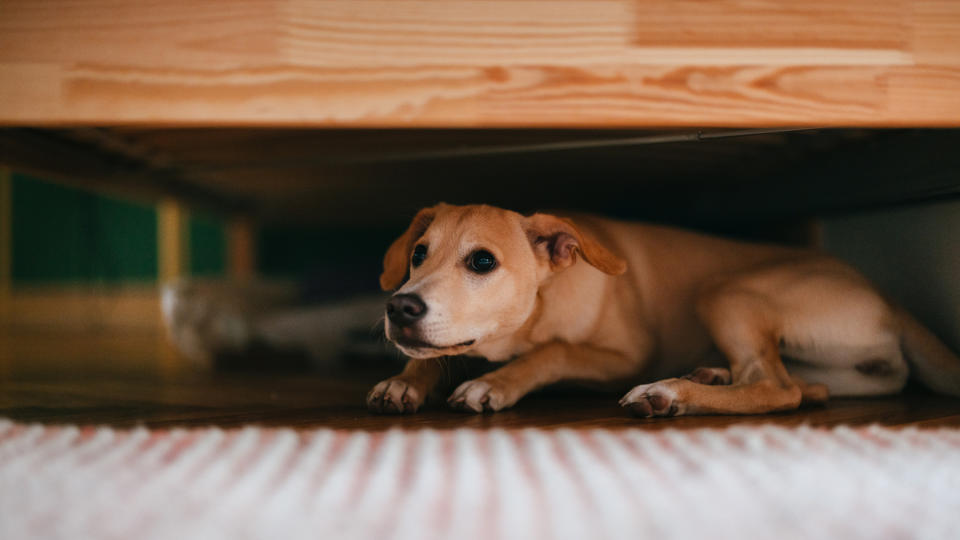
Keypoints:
pixel 397 259
pixel 559 240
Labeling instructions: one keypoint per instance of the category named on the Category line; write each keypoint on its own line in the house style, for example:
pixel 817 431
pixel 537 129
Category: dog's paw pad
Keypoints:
pixel 712 376
pixel 394 396
pixel 478 395
pixel 649 400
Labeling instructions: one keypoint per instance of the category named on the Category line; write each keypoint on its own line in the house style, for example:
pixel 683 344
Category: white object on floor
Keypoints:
pixel 741 482
pixel 207 317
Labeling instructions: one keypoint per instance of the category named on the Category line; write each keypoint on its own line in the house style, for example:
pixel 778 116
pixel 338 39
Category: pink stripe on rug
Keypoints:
pixel 744 482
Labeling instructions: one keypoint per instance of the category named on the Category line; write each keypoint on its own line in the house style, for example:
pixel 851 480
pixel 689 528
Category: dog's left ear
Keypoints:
pixel 397 259
pixel 559 239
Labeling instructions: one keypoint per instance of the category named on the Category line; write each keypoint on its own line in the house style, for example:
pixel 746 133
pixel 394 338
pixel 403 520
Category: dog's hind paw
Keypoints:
pixel 712 376
pixel 649 400
pixel 479 395
pixel 395 396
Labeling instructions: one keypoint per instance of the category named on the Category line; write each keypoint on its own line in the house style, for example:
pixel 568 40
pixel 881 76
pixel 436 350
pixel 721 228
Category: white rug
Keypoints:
pixel 764 483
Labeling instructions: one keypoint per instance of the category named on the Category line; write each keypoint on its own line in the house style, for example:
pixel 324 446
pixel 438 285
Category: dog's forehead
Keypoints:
pixel 474 225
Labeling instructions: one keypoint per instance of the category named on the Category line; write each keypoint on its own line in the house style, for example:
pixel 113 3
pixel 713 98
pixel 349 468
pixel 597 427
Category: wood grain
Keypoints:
pixel 131 377
pixel 336 401
pixel 606 63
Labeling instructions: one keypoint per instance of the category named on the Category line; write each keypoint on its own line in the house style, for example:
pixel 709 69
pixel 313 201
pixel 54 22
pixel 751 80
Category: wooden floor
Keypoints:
pixel 336 400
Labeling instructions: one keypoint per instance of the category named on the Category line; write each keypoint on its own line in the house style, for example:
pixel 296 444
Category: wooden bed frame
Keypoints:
pixel 480 63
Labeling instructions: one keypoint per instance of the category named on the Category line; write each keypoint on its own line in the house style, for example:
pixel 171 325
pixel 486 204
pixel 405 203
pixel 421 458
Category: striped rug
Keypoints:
pixel 749 482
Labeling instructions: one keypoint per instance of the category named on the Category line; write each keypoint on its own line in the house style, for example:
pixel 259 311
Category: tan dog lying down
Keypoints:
pixel 593 300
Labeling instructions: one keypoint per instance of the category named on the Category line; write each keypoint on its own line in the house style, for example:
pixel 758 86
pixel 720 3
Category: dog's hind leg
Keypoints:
pixel 710 376
pixel 744 327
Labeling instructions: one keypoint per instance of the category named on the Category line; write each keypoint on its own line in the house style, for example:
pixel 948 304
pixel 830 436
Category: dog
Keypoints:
pixel 690 324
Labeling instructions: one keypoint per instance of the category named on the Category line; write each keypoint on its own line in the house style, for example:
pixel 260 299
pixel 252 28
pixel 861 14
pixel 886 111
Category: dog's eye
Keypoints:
pixel 481 261
pixel 419 254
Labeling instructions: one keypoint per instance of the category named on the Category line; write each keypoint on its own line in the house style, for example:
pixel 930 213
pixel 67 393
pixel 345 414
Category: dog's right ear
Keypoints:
pixel 559 240
pixel 397 259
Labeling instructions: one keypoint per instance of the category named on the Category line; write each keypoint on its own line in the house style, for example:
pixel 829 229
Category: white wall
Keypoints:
pixel 912 254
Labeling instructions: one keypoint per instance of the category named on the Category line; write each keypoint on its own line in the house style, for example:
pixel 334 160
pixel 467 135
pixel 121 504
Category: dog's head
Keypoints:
pixel 474 272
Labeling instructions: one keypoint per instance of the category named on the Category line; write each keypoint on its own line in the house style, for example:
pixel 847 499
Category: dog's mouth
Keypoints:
pixel 411 343
pixel 405 339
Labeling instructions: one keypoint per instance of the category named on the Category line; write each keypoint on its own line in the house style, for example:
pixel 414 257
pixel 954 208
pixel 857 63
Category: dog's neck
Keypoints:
pixel 567 308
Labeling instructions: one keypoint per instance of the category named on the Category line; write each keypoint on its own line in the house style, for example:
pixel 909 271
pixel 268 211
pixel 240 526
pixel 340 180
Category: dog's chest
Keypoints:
pixel 504 349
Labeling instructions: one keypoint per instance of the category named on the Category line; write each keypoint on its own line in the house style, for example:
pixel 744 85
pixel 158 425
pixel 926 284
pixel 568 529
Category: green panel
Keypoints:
pixel 208 246
pixel 62 234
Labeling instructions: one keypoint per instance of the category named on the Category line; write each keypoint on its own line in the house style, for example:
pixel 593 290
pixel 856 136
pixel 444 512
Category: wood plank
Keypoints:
pixel 241 249
pixel 128 378
pixel 606 63
pixel 111 170
pixel 173 241
pixel 336 401
pixel 865 25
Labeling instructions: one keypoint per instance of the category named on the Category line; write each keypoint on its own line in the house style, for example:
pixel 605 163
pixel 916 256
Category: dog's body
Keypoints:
pixel 616 304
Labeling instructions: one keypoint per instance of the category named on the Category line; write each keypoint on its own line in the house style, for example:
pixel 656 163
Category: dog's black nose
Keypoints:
pixel 405 309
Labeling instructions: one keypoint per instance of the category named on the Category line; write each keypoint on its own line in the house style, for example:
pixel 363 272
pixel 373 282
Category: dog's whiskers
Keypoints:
pixel 378 324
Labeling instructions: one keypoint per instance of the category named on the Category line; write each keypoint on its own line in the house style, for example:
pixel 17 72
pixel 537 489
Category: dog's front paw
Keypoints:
pixel 656 399
pixel 395 396
pixel 479 395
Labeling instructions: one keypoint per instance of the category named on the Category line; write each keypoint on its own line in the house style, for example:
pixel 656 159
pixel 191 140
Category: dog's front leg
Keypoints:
pixel 422 380
pixel 551 363
pixel 407 392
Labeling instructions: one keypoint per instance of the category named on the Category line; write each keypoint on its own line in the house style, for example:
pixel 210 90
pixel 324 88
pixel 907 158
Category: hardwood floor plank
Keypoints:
pixel 336 401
